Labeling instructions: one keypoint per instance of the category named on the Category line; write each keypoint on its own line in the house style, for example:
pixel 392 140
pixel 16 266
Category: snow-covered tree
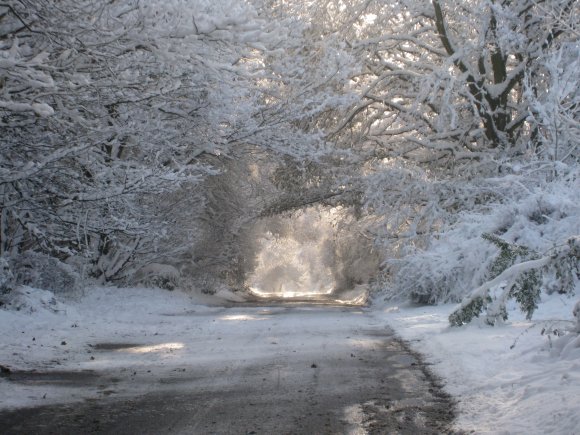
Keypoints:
pixel 460 108
pixel 156 132
pixel 519 276
pixel 106 105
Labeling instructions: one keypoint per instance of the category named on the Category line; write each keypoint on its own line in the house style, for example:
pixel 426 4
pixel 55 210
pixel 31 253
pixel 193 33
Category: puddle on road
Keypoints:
pixel 115 346
pixel 138 348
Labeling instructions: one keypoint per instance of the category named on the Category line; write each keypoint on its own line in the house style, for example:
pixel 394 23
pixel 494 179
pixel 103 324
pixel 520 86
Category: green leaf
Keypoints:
pixel 526 291
pixel 465 314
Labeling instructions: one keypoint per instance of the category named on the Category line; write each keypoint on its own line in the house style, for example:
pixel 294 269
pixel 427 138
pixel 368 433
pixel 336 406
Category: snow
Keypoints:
pixel 508 379
pixel 58 336
pixel 137 334
pixel 41 109
pixel 532 387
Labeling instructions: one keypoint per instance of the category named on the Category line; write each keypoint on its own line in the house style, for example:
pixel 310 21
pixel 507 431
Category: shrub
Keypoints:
pixel 163 276
pixel 41 271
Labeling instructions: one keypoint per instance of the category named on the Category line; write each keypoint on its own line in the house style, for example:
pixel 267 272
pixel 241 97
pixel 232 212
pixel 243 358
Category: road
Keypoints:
pixel 291 369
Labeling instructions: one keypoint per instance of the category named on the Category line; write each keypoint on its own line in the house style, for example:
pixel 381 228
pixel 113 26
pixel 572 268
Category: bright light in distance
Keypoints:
pixel 296 260
pixel 359 300
pixel 286 294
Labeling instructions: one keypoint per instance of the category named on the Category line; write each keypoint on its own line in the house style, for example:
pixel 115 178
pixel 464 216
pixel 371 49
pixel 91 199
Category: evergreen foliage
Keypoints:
pixel 566 268
pixel 508 254
pixel 465 315
pixel 526 291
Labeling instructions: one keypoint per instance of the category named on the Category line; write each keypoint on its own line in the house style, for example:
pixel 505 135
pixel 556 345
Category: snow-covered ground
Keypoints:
pixel 509 379
pixel 149 332
pixel 50 335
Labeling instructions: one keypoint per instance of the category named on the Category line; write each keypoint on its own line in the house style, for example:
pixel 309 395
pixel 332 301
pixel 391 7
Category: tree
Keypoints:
pixel 444 82
pixel 105 105
pixel 451 97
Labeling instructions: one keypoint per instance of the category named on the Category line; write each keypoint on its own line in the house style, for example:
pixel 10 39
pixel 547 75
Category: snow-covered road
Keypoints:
pixel 155 363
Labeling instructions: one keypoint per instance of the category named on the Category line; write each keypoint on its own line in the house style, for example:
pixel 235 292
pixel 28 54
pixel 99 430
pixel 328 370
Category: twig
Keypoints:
pixel 521 334
pixel 24 23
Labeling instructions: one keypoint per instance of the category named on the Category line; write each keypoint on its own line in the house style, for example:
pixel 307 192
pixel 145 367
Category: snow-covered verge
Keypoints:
pixel 523 375
pixel 42 333
pixel 514 378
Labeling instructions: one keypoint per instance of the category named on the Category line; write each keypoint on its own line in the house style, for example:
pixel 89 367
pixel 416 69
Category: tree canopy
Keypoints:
pixel 143 132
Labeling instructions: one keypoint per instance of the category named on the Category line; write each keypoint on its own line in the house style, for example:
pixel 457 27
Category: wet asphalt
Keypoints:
pixel 361 380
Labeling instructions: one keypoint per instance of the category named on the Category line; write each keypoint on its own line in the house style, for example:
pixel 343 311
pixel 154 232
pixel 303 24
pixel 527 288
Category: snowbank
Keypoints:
pixel 509 379
pixel 44 333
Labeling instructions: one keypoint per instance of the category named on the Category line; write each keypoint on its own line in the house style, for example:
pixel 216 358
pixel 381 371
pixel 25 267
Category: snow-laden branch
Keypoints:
pixel 40 109
pixel 506 276
pixel 32 168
